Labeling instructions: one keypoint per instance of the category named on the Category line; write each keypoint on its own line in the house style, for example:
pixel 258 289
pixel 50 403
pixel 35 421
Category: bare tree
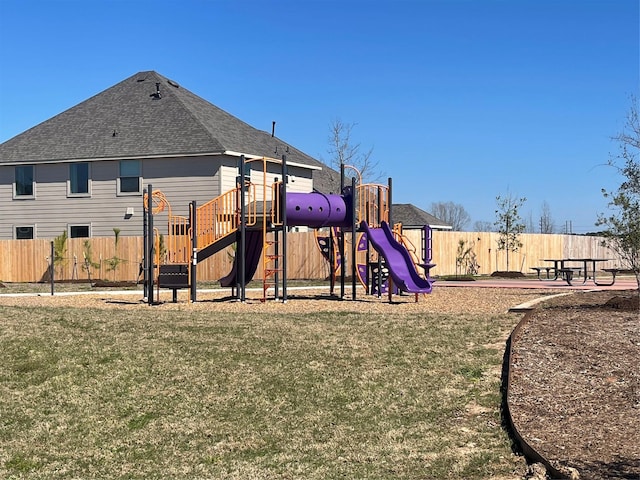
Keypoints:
pixel 451 213
pixel 344 152
pixel 547 225
pixel 530 226
pixel 482 226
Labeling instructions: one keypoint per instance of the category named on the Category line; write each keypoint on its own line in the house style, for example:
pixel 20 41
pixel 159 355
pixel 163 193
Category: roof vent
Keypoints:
pixel 157 95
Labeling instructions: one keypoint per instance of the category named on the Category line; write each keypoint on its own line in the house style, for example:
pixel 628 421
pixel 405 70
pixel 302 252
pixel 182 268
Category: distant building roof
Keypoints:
pixel 147 116
pixel 411 216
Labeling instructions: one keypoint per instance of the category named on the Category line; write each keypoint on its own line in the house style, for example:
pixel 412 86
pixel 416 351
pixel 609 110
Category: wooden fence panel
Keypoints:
pixel 27 260
pixel 535 248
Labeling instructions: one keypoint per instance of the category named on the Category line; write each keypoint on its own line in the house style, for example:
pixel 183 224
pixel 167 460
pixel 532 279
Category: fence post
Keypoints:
pixel 51 269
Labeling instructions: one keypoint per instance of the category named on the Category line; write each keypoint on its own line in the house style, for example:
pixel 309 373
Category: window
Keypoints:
pixel 78 231
pixel 24 233
pixel 78 179
pixel 129 181
pixel 24 186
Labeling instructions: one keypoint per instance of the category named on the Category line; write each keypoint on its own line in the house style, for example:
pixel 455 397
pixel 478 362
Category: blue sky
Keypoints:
pixel 461 100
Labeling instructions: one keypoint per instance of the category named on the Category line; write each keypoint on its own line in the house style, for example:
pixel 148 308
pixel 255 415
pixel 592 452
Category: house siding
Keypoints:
pixel 181 180
pixel 52 211
pixel 302 182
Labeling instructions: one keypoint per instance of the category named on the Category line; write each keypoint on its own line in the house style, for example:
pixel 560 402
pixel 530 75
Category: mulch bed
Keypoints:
pixel 574 394
pixel 508 274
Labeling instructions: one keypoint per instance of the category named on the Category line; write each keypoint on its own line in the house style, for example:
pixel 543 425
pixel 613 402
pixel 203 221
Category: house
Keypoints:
pixel 84 170
pixel 413 217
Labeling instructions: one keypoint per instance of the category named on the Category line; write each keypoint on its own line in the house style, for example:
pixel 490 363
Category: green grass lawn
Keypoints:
pixel 95 393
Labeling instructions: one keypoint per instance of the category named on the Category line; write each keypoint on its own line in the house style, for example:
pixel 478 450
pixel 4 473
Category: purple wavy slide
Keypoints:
pixel 398 259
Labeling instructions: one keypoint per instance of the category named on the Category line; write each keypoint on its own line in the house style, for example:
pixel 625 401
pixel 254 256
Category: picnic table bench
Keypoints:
pixel 587 270
pixel 569 272
pixel 613 272
pixel 539 269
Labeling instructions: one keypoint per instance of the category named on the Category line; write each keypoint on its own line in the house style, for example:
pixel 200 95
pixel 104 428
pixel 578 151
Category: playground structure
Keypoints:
pixel 257 216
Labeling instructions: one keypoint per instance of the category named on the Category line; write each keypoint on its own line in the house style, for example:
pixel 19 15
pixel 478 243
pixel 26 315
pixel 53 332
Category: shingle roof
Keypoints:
pixel 130 120
pixel 411 216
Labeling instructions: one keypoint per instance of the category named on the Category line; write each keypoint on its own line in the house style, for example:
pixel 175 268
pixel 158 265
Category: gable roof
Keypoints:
pixel 411 216
pixel 130 120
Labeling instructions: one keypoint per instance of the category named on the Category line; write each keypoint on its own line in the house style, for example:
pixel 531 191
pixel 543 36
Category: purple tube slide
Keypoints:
pixel 318 210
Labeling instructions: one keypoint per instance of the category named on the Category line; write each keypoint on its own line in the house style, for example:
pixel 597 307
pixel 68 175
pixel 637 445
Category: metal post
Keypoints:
pixel 341 239
pixel 379 223
pixel 240 274
pixel 194 250
pixel 150 239
pixel 285 179
pixel 390 221
pixel 332 262
pixel 369 263
pixel 276 266
pixel 51 269
pixel 353 239
pixel 145 246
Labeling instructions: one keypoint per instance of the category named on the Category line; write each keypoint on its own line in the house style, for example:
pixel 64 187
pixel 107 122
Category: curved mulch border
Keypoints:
pixel 606 323
pixel 527 450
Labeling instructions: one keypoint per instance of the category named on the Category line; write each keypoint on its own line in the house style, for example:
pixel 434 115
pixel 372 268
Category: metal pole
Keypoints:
pixel 332 262
pixel 145 247
pixel 285 179
pixel 369 262
pixel 150 239
pixel 240 274
pixel 379 223
pixel 341 238
pixel 51 269
pixel 194 250
pixel 390 221
pixel 274 203
pixel 353 239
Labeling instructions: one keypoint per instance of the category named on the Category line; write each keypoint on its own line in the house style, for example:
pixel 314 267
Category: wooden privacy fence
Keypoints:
pixel 535 248
pixel 28 260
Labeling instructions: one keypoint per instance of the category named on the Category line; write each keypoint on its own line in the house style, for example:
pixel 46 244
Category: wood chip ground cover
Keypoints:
pixel 575 392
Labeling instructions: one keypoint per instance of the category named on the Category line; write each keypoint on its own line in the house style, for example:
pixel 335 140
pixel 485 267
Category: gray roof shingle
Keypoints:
pixel 411 216
pixel 129 120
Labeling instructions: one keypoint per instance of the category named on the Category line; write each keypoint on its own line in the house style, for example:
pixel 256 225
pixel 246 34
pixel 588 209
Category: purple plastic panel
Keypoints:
pixel 317 210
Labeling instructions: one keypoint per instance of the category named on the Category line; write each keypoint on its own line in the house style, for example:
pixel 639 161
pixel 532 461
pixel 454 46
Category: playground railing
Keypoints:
pixel 178 243
pixel 372 203
pixel 221 216
pixel 407 243
pixel 276 200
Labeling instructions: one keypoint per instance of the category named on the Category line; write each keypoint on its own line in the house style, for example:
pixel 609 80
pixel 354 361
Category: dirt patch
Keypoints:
pixel 508 274
pixel 112 284
pixel 574 395
pixel 620 302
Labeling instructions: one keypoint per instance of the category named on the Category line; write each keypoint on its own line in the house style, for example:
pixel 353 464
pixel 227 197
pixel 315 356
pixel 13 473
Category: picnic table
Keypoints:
pixel 588 270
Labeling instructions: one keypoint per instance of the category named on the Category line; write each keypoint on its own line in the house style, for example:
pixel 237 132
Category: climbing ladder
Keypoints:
pixel 272 255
